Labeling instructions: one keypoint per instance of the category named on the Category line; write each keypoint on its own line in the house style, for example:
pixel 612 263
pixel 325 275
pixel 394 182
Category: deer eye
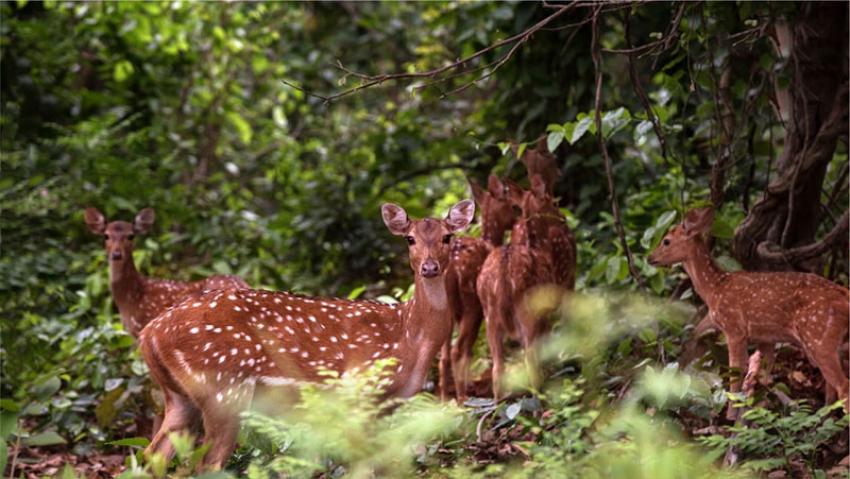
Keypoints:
pixel 666 242
pixel 410 240
pixel 130 237
pixel 106 237
pixel 447 239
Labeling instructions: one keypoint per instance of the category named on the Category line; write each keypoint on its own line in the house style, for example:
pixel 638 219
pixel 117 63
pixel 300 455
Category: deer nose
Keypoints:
pixel 116 256
pixel 430 268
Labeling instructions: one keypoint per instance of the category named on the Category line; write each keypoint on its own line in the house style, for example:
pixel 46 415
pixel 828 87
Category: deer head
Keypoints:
pixel 538 209
pixel 118 235
pixel 429 240
pixel 679 242
pixel 497 213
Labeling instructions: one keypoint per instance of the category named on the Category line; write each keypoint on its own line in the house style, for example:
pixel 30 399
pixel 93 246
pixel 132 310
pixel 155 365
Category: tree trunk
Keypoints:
pixel 790 212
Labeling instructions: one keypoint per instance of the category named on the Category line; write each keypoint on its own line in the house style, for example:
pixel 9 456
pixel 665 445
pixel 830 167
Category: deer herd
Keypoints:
pixel 212 345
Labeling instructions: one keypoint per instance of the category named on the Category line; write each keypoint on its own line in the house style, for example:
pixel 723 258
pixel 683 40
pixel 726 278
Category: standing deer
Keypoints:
pixel 467 257
pixel 209 354
pixel 761 307
pixel 140 299
pixel 541 252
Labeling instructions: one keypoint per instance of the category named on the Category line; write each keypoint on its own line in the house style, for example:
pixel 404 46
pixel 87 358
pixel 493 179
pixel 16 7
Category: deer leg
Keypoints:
pixel 221 423
pixel 768 357
pixel 470 325
pixel 494 340
pixel 445 353
pixel 737 362
pixel 528 325
pixel 830 367
pixel 180 414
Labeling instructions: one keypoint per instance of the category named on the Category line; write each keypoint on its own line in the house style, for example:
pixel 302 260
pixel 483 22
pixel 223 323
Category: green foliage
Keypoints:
pixel 773 440
pixel 182 106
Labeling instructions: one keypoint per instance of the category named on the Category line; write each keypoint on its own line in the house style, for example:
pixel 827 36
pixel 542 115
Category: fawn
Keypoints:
pixel 761 307
pixel 541 252
pixel 467 257
pixel 140 299
pixel 210 353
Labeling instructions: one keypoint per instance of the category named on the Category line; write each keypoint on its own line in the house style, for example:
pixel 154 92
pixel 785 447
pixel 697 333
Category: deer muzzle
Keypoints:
pixel 430 268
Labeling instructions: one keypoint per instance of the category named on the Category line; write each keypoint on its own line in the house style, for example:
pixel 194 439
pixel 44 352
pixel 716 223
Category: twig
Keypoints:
pixel 481 423
pixel 373 80
pixel 666 41
pixel 641 93
pixel 612 195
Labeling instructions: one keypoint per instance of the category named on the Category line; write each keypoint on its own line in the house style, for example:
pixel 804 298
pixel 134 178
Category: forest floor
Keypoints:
pixel 492 444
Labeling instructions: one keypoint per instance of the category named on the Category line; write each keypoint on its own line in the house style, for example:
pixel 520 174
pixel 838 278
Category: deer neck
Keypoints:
pixel 703 271
pixel 427 324
pixel 125 282
pixel 494 238
pixel 429 308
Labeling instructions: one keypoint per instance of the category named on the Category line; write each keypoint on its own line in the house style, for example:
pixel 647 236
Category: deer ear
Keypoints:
pixel 538 186
pixel 460 216
pixel 477 192
pixel 95 221
pixel 144 220
pixel 542 144
pixel 495 186
pixel 395 218
pixel 698 221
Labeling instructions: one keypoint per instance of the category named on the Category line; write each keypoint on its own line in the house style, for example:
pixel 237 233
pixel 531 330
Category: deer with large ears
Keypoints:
pixel 467 257
pixel 140 299
pixel 210 354
pixel 761 307
pixel 541 252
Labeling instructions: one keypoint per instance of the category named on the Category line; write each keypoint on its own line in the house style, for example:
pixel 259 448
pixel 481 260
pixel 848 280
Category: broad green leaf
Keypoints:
pixel 47 438
pixel 356 292
pixel 513 410
pixel 130 441
pixel 521 149
pixel 614 120
pixel 554 139
pixel 612 273
pixel 727 263
pixel 243 128
pixel 8 424
pixel 47 388
pixel 580 128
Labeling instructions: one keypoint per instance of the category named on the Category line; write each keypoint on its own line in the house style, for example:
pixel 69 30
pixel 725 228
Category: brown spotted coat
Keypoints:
pixel 210 353
pixel 762 307
pixel 140 299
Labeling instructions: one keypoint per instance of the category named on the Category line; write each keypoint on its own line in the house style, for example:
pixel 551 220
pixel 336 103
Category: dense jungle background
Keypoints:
pixel 266 136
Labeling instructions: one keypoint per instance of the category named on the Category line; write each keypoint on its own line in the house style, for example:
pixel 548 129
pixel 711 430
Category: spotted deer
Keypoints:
pixel 210 354
pixel 761 307
pixel 141 299
pixel 541 253
pixel 540 161
pixel 467 257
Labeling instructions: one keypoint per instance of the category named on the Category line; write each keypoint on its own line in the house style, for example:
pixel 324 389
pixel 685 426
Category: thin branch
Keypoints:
pixel 369 81
pixel 835 237
pixel 652 47
pixel 641 93
pixel 612 195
